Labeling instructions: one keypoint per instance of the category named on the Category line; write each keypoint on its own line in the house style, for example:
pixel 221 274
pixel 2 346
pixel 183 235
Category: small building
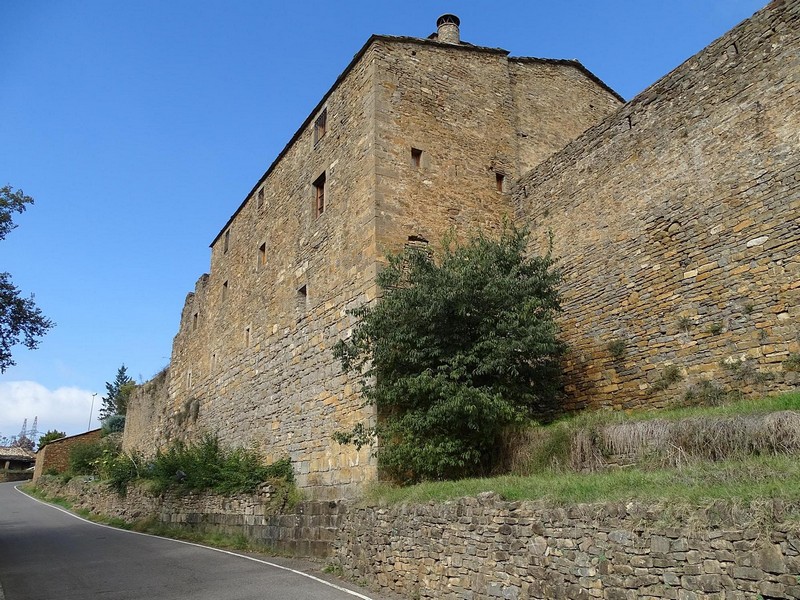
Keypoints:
pixel 15 462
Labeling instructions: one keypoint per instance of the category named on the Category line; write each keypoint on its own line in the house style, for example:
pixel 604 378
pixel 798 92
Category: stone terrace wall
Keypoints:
pixel 55 455
pixel 484 548
pixel 308 529
pixel 677 221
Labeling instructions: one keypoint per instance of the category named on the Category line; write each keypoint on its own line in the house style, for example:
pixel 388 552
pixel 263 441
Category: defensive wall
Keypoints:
pixel 677 223
pixel 416 138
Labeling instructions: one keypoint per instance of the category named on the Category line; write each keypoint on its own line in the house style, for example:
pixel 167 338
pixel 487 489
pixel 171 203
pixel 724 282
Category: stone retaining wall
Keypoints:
pixel 485 548
pixel 307 529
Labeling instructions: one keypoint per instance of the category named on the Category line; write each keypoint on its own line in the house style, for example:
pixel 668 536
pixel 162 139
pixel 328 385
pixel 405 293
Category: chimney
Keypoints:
pixel 447 29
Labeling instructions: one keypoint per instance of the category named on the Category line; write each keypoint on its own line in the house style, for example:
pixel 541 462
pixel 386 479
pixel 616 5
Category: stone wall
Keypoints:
pixel 146 406
pixel 676 222
pixel 55 455
pixel 253 361
pixel 485 548
pixel 307 529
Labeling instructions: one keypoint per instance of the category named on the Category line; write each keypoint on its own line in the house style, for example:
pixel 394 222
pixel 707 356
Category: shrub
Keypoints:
pixel 83 458
pixel 113 424
pixel 455 352
pixel 207 465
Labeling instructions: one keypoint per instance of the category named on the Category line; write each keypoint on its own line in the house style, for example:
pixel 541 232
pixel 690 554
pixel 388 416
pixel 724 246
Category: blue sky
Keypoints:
pixel 139 127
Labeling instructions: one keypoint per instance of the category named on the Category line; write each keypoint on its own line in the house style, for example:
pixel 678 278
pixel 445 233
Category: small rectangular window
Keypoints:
pixel 247 337
pixel 319 195
pixel 416 157
pixel 500 180
pixel 260 199
pixel 262 254
pixel 321 125
pixel 227 240
pixel 213 361
pixel 302 298
pixel 224 290
pixel 194 320
pixel 189 380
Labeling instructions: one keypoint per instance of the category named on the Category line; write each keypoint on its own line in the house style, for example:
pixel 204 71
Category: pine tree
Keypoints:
pixel 115 402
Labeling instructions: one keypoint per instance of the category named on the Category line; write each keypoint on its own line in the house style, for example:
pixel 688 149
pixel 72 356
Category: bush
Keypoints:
pixel 206 465
pixel 455 352
pixel 83 458
pixel 113 424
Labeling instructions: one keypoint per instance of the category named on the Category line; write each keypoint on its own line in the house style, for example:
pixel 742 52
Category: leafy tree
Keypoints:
pixel 21 321
pixel 50 436
pixel 456 350
pixel 115 402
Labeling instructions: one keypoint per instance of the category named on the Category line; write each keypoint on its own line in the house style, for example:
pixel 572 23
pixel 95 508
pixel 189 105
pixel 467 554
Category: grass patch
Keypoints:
pixel 756 478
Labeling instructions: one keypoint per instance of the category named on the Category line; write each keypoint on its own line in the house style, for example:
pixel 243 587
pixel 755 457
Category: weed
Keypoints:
pixel 792 363
pixel 669 375
pixel 685 324
pixel 334 569
pixel 618 348
pixel 748 308
pixel 706 393
pixel 716 328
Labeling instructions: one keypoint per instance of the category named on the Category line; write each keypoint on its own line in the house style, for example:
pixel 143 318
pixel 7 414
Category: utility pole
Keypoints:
pixel 89 425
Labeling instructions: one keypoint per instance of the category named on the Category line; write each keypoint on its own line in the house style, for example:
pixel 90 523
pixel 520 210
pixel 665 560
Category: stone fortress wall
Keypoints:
pixel 676 217
pixel 419 137
pixel 677 221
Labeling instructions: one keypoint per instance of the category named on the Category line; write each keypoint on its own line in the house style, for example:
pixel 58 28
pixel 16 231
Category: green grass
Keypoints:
pixel 741 481
pixel 539 477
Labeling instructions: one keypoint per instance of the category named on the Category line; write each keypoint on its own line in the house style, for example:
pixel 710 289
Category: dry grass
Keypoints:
pixel 597 441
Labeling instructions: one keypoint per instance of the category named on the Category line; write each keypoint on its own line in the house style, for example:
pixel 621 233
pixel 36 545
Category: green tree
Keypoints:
pixel 455 352
pixel 115 402
pixel 50 436
pixel 21 321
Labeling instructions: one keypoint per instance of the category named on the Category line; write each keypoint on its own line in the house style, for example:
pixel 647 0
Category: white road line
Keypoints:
pixel 258 560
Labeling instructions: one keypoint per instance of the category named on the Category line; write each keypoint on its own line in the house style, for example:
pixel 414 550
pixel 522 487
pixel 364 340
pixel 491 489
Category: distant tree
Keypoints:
pixel 115 402
pixel 23 441
pixel 50 436
pixel 21 321
pixel 460 347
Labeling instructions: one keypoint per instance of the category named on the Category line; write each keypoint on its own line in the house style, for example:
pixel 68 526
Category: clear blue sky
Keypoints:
pixel 139 127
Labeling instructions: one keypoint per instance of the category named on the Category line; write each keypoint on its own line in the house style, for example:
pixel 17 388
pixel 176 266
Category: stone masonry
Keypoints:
pixel 677 222
pixel 486 548
pixel 417 137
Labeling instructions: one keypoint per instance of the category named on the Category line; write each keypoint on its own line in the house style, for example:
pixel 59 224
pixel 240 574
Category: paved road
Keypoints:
pixel 49 554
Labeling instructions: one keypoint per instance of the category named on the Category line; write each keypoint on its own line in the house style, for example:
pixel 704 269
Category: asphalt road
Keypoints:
pixel 47 553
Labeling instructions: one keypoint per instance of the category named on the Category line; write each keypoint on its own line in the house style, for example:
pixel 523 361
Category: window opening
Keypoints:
pixel 227 240
pixel 224 290
pixel 262 254
pixel 302 297
pixel 247 337
pixel 321 125
pixel 500 180
pixel 260 198
pixel 416 157
pixel 189 379
pixel 194 321
pixel 319 195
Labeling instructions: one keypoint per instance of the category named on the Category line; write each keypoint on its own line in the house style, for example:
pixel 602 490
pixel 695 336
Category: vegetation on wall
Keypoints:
pixel 459 347
pixel 204 465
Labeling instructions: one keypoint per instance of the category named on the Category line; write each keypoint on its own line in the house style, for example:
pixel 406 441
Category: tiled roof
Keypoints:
pixel 16 453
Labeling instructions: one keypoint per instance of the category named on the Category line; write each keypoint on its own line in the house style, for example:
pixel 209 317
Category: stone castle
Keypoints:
pixel 676 218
